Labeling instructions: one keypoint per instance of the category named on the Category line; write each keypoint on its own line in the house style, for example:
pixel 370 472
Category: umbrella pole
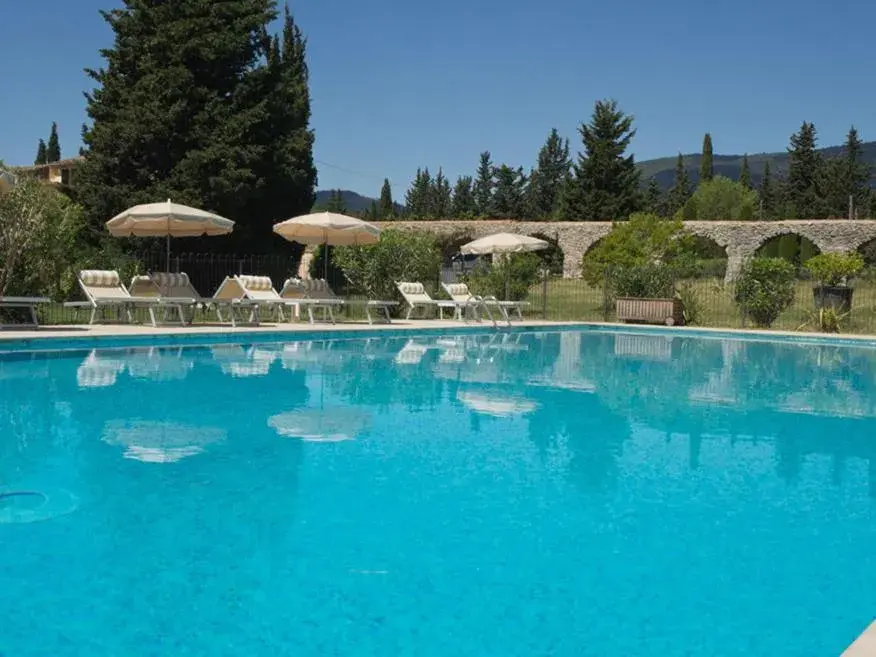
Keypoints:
pixel 167 248
pixel 325 257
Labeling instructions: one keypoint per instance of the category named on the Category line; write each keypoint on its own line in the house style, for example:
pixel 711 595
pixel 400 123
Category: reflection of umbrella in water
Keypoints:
pixel 322 425
pixel 159 442
pixel 496 406
pixel 159 364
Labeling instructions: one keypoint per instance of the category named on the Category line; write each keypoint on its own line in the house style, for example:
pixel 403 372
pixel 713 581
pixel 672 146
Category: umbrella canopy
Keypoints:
pixel 496 406
pixel 167 220
pixel 328 228
pixel 7 180
pixel 159 442
pixel 504 243
pixel 320 425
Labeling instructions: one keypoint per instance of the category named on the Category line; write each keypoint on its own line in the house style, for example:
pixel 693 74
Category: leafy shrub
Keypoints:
pixel 398 256
pixel 516 273
pixel 765 289
pixel 720 199
pixel 835 269
pixel 646 281
pixel 692 303
pixel 645 239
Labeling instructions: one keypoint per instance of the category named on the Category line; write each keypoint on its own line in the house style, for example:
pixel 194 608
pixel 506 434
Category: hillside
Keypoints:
pixel 663 169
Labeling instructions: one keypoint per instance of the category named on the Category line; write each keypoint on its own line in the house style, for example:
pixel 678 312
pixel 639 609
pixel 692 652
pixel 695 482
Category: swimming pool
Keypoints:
pixel 556 493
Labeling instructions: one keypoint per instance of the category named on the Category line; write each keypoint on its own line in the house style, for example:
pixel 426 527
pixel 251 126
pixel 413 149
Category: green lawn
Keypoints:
pixel 573 299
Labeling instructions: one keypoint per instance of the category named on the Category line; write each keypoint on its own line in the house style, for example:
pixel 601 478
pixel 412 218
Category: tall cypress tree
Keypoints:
pixel 605 181
pixel 463 206
pixel 483 185
pixel 441 197
pixel 221 123
pixel 804 175
pixel 53 147
pixel 386 208
pixel 767 194
pixel 856 173
pixel 680 191
pixel 745 173
pixel 41 154
pixel 707 165
pixel 550 176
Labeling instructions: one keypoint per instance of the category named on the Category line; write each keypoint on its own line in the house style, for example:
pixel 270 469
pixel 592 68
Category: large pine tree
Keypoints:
pixel 418 198
pixel 386 208
pixel 767 195
pixel 805 175
pixel 483 185
pixel 196 102
pixel 653 201
pixel 463 206
pixel 550 176
pixel 605 181
pixel 510 197
pixel 745 173
pixel 707 165
pixel 53 146
pixel 855 175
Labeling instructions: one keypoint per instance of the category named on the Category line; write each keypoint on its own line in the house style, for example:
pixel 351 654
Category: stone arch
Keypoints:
pixel 553 257
pixel 576 239
pixel 796 251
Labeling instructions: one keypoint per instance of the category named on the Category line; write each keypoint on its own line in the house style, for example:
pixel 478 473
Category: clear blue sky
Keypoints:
pixel 398 84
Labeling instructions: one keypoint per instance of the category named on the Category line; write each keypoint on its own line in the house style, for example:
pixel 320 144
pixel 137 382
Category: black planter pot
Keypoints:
pixel 836 298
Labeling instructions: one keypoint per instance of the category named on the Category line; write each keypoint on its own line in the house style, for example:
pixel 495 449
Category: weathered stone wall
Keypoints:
pixel 740 239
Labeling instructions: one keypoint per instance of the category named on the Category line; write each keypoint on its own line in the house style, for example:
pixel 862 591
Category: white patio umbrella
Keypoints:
pixel 328 229
pixel 504 243
pixel 167 220
pixel 322 425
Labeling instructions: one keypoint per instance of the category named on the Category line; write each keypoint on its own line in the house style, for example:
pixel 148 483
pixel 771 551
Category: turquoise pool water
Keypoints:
pixel 551 493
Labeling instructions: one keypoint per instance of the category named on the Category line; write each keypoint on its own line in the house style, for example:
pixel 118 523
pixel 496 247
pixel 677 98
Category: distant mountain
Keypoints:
pixel 354 202
pixel 663 169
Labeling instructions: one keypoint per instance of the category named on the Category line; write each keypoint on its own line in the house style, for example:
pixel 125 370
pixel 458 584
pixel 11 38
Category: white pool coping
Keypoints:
pixel 864 645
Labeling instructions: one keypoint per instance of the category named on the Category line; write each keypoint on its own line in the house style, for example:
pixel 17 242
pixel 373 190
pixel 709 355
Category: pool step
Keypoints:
pixel 864 645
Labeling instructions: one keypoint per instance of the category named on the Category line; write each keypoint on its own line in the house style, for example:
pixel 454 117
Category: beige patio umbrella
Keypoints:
pixel 328 229
pixel 167 220
pixel 504 243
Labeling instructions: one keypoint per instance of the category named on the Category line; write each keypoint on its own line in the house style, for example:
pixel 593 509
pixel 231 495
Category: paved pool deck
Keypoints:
pixel 141 330
pixel 865 645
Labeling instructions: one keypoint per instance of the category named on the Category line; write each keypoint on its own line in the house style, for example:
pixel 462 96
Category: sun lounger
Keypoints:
pixel 460 292
pixel 296 294
pixel 321 292
pixel 415 297
pixel 257 289
pixel 179 285
pixel 24 303
pixel 104 290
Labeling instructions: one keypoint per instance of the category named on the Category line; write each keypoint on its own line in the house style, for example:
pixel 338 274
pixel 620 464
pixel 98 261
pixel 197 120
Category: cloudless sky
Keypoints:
pixel 401 84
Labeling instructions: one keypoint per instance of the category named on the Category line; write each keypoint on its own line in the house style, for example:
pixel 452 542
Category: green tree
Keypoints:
pixel 765 289
pixel 605 180
pixel 707 165
pixel 644 240
pixel 847 177
pixel 41 154
pixel 745 173
pixel 721 199
pixel 767 194
pixel 463 206
pixel 803 193
pixel 336 202
pixel 484 185
pixel 418 198
pixel 441 197
pixel 386 208
pixel 550 176
pixel 53 147
pixel 509 196
pixel 196 102
pixel 680 191
pixel 653 198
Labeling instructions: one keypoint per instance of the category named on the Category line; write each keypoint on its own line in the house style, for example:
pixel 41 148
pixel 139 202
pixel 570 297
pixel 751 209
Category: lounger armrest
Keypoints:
pixel 78 304
pixel 177 300
pixel 24 300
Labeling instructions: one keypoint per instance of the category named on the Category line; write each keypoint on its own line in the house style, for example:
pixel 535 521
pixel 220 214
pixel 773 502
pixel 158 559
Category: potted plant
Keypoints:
pixel 834 271
pixel 646 294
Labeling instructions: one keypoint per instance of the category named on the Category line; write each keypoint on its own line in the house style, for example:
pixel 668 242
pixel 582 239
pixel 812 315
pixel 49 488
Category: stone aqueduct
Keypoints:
pixel 740 239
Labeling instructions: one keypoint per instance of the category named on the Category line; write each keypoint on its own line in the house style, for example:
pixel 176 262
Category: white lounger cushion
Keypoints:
pixel 100 278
